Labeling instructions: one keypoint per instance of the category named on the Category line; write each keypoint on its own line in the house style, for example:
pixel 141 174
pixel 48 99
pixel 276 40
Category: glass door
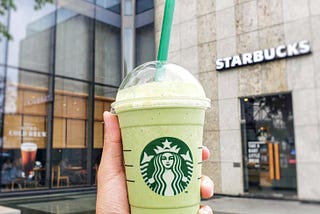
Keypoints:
pixel 268 145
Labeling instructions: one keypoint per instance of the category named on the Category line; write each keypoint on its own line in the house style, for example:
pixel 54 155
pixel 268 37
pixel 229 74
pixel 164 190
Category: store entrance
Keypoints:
pixel 268 146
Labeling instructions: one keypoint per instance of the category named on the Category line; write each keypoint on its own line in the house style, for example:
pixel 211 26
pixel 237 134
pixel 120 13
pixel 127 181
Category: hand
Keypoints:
pixel 112 190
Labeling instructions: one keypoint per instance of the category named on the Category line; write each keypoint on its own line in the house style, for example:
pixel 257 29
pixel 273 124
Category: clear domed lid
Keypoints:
pixel 156 71
pixel 160 84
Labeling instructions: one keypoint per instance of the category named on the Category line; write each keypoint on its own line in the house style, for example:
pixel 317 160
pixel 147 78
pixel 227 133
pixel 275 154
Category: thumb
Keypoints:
pixel 111 159
pixel 111 188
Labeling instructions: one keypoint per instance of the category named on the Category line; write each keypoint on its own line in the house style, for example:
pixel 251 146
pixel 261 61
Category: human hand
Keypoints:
pixel 111 189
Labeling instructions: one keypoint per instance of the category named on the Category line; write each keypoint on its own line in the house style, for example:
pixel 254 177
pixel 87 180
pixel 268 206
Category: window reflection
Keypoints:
pixel 112 5
pixel 107 54
pixel 103 100
pixel 3 40
pixel 2 51
pixel 32 32
pixel 268 140
pixel 60 39
pixel 25 124
pixel 2 90
pixel 70 134
pixel 74 46
pixel 145 44
pixel 144 5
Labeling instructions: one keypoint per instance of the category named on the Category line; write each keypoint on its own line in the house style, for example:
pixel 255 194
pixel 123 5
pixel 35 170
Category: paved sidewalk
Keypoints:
pixel 237 205
pixel 84 203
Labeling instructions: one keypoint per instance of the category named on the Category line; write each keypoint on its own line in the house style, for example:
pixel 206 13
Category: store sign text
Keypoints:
pixel 27 132
pixel 280 52
pixel 39 100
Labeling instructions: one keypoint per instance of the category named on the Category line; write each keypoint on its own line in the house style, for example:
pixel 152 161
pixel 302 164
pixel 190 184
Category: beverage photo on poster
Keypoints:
pixel 28 156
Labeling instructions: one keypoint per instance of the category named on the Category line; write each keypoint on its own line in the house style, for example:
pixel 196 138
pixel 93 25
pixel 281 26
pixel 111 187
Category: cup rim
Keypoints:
pixel 160 102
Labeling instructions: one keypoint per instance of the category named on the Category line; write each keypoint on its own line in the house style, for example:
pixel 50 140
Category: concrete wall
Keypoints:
pixel 205 30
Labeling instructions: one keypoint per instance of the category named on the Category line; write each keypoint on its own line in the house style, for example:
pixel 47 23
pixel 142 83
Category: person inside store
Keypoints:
pixel 7 172
pixel 18 167
pixel 111 188
pixel 76 177
pixel 11 173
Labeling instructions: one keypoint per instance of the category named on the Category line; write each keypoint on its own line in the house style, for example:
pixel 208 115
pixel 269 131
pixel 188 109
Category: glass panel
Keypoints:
pixel 145 47
pixel 102 103
pixel 3 40
pixel 268 142
pixel 25 131
pixel 112 5
pixel 74 41
pixel 107 92
pixel 32 32
pixel 144 5
pixel 70 134
pixel 108 54
pixel 2 90
pixel 65 85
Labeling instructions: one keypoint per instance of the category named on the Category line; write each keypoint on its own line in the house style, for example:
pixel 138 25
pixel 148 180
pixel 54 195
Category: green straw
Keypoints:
pixel 165 36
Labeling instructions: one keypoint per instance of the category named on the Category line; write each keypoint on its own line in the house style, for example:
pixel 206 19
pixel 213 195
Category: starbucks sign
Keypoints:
pixel 166 166
pixel 259 56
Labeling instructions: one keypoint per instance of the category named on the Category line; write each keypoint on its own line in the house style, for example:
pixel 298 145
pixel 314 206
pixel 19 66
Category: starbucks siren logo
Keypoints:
pixel 166 166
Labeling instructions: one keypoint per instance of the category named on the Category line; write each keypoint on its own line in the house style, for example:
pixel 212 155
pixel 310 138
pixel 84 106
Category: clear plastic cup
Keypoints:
pixel 161 109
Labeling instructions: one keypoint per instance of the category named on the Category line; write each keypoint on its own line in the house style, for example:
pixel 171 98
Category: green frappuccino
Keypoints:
pixel 161 127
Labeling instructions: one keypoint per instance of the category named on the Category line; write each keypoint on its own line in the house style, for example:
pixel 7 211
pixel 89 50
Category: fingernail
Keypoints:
pixel 205 210
pixel 209 186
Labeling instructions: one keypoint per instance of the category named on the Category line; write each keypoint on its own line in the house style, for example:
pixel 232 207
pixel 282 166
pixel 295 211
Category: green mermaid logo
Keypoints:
pixel 166 166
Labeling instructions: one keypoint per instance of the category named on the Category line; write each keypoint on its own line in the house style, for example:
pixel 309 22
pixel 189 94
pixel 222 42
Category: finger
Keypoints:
pixel 111 162
pixel 205 153
pixel 111 172
pixel 205 210
pixel 207 187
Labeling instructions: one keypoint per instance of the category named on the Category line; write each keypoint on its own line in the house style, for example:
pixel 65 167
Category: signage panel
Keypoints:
pixel 280 52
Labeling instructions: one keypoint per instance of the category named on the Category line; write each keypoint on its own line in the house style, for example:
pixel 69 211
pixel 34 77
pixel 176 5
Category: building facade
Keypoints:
pixel 263 127
pixel 59 72
pixel 257 60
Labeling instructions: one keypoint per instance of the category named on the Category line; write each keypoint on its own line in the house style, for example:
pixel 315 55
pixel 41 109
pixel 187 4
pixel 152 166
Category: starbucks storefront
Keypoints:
pixel 268 145
pixel 59 72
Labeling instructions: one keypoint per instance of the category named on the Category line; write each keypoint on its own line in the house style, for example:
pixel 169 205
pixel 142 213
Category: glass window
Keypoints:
pixel 32 32
pixel 102 102
pixel 74 42
pixel 112 5
pixel 69 152
pixel 2 88
pixel 25 132
pixel 144 5
pixel 145 47
pixel 268 144
pixel 107 54
pixel 3 40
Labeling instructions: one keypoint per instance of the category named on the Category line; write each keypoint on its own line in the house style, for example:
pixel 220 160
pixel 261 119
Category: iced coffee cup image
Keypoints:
pixel 28 156
pixel 161 117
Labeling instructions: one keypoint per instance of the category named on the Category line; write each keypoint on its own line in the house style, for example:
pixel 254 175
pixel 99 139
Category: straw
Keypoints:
pixel 165 35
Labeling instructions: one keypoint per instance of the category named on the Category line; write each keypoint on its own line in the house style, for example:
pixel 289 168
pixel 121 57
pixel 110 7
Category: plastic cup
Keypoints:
pixel 28 156
pixel 161 127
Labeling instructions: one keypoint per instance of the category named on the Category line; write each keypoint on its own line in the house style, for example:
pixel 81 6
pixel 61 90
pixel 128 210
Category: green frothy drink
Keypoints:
pixel 162 126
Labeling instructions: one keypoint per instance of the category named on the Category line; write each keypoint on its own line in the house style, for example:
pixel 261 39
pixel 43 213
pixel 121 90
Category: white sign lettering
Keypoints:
pixel 280 52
